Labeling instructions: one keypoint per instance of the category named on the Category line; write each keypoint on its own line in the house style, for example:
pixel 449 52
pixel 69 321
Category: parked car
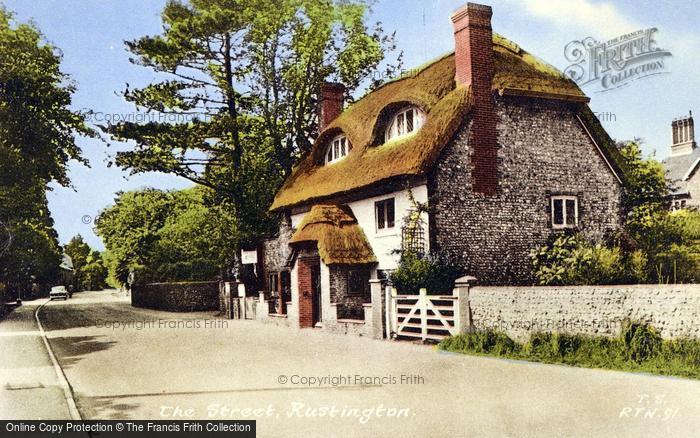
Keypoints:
pixel 58 292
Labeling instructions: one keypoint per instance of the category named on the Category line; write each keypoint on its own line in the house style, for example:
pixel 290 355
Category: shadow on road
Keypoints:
pixel 105 408
pixel 72 349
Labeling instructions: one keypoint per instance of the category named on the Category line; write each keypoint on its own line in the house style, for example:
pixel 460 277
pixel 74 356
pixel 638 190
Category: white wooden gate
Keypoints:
pixel 423 316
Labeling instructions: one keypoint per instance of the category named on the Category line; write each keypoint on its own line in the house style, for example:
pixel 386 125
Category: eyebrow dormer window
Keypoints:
pixel 404 122
pixel 338 148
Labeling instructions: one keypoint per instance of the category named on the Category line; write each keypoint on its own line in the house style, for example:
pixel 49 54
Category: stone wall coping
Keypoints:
pixel 598 286
pixel 180 282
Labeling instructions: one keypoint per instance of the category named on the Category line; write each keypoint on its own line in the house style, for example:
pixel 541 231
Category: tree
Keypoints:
pixel 94 272
pixel 37 126
pixel 646 200
pixel 237 105
pixel 89 272
pixel 166 236
pixel 37 139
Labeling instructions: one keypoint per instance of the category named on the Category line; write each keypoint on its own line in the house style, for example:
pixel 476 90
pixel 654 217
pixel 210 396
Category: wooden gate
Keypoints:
pixel 423 316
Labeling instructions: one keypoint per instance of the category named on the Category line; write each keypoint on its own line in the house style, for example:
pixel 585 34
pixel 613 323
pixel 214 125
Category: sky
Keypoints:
pixel 91 36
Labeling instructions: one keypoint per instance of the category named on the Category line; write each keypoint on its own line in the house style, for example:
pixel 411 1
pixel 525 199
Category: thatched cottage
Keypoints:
pixel 501 146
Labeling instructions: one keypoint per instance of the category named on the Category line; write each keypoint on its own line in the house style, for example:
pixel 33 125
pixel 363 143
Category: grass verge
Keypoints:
pixel 639 348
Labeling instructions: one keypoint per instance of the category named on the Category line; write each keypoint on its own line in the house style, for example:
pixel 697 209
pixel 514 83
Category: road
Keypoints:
pixel 128 363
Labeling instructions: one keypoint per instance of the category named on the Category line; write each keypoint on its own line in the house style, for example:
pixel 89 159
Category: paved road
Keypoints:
pixel 132 363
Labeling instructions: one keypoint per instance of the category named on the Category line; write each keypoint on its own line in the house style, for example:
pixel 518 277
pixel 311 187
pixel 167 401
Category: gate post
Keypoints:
pixel 387 310
pixel 377 308
pixel 423 299
pixel 463 314
pixel 240 286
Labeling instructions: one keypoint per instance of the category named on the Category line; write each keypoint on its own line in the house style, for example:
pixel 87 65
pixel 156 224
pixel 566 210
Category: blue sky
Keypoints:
pixel 91 34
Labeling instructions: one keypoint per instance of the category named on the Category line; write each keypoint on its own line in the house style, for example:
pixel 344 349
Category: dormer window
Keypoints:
pixel 338 148
pixel 404 122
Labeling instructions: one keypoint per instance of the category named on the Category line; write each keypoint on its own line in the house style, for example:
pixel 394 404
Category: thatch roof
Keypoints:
pixel 431 88
pixel 339 238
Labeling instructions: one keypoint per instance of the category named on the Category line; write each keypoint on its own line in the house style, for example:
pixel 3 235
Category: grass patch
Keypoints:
pixel 639 348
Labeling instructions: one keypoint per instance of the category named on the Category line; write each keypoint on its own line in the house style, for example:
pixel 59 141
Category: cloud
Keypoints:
pixel 597 19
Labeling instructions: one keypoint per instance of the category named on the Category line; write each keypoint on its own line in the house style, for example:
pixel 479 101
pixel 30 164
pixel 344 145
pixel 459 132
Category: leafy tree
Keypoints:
pixel 129 228
pixel 37 126
pixel 166 236
pixel 647 186
pixel 94 272
pixel 37 139
pixel 89 272
pixel 645 200
pixel 237 104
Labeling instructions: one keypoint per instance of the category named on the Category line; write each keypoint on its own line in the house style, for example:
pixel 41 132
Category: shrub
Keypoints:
pixel 679 264
pixel 435 272
pixel 641 341
pixel 571 260
pixel 637 266
pixel 483 342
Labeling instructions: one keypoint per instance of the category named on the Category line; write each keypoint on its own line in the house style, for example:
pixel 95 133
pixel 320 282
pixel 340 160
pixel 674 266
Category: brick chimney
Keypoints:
pixel 331 99
pixel 474 66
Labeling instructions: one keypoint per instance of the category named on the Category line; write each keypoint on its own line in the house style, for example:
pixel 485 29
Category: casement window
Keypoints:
pixel 384 213
pixel 337 149
pixel 272 282
pixel 357 282
pixel 404 122
pixel 564 210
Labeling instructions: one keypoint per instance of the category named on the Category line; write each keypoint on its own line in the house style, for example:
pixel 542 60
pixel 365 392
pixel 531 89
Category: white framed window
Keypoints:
pixel 564 210
pixel 337 149
pixel 384 213
pixel 404 122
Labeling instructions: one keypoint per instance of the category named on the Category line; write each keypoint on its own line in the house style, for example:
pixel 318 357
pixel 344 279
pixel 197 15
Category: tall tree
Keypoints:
pixel 237 103
pixel 37 140
pixel 166 236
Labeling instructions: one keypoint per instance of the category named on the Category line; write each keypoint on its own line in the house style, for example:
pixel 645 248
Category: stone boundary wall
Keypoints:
pixel 594 310
pixel 193 296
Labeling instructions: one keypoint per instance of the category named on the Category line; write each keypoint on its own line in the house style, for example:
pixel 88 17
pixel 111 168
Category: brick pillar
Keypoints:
pixel 331 99
pixel 474 67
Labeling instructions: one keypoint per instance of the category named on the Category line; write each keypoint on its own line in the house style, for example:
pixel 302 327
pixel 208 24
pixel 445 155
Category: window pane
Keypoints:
pixel 380 215
pixel 400 124
pixel 342 147
pixel 335 150
pixel 272 281
pixel 557 212
pixel 329 157
pixel 409 120
pixel 390 213
pixel 570 212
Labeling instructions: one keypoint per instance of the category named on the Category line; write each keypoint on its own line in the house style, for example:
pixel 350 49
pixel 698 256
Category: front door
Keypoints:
pixel 316 294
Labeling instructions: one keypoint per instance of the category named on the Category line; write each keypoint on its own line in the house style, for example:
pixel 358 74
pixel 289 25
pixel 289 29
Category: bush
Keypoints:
pixel 637 267
pixel 679 264
pixel 435 272
pixel 641 341
pixel 571 260
pixel 482 342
